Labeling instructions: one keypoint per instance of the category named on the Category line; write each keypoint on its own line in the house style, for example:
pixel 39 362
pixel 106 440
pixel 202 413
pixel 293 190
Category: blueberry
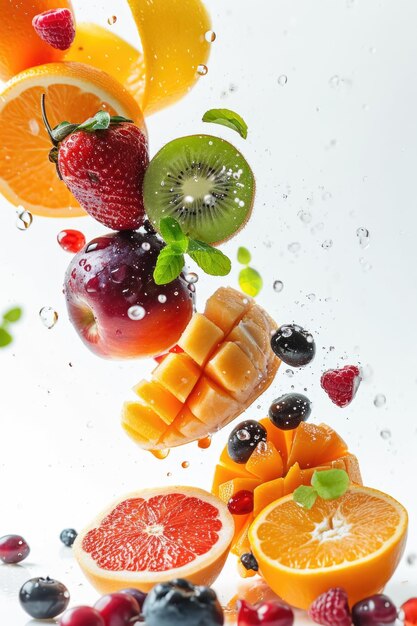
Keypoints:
pixel 293 345
pixel 288 411
pixel 44 598
pixel 68 536
pixel 244 439
pixel 249 562
pixel 180 602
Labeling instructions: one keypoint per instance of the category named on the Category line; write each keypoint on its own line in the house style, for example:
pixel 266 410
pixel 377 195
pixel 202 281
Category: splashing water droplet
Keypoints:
pixel 278 286
pixel 305 216
pixel 412 559
pixel 136 312
pixel 334 81
pixel 311 297
pixel 162 298
pixel 210 36
pixel 243 435
pixel 294 247
pixel 191 278
pixel 202 69
pixel 185 464
pixel 379 400
pixel 262 447
pixel 327 244
pixel 48 316
pixel 282 80
pixel 112 20
pixel 289 373
pixel 286 332
pixel 363 235
pixel 24 219
pixel 146 246
pixel 385 434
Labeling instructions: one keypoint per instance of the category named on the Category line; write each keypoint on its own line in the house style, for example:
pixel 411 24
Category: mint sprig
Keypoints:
pixel 171 261
pixel 226 117
pixel 326 484
pixel 11 316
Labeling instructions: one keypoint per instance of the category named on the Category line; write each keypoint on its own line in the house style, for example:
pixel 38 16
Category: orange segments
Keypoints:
pixel 354 542
pixel 74 92
pixel 155 535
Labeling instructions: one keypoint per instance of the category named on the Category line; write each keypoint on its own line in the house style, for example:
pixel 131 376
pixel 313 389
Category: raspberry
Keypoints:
pixel 331 608
pixel 341 385
pixel 56 27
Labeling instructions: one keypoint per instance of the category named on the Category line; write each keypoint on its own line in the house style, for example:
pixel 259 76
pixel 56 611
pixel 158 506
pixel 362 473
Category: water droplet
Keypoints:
pixel 136 312
pixel 289 373
pixel 385 434
pixel 363 235
pixel 49 316
pixel 278 286
pixel 366 266
pixel 262 447
pixel 334 81
pixel 191 278
pixel 146 246
pixel 243 435
pixel 311 297
pixel 210 36
pixel 327 244
pixel 162 298
pixel 282 80
pixel 294 247
pixel 286 331
pixel 379 400
pixel 160 454
pixel 412 559
pixel 305 216
pixel 185 464
pixel 112 20
pixel 202 69
pixel 24 219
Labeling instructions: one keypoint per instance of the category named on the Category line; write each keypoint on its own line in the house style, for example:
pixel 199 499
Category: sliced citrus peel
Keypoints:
pixel 354 542
pixel 154 535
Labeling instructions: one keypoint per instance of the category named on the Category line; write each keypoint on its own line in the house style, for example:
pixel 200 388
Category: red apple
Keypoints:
pixel 115 305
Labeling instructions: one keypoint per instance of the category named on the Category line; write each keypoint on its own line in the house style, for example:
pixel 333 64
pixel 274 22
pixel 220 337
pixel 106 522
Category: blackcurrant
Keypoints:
pixel 288 411
pixel 44 598
pixel 293 345
pixel 249 562
pixel 68 536
pixel 243 440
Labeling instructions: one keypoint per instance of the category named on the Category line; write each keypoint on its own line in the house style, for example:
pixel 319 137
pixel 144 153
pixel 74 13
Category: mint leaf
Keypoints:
pixel 119 119
pixel 172 233
pixel 13 315
pixel 244 256
pixel 100 121
pixel 169 264
pixel 250 281
pixel 330 484
pixel 211 260
pixel 5 338
pixel 305 496
pixel 226 117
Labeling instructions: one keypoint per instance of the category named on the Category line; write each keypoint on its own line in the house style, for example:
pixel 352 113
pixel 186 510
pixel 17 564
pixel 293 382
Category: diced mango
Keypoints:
pixel 282 439
pixel 208 402
pixel 242 545
pixel 307 474
pixel 351 466
pixel 229 488
pixel 238 470
pixel 171 438
pixel 178 373
pixel 159 399
pixel 293 479
pixel 187 424
pixel 200 338
pixel 231 368
pixel 245 341
pixel 226 307
pixel 265 462
pixel 243 572
pixel 319 443
pixel 143 421
pixel 221 475
pixel 267 493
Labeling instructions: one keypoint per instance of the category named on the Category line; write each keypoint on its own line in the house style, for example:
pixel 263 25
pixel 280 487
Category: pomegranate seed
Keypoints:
pixel 410 612
pixel 241 503
pixel 71 240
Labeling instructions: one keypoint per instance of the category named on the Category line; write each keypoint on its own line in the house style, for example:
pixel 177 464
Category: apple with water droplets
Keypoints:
pixel 114 303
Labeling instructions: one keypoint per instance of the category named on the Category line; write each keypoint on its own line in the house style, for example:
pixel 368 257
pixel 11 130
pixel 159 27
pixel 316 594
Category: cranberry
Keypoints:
pixel 373 611
pixel 117 609
pixel 71 240
pixel 139 596
pixel 410 612
pixel 13 549
pixel 265 614
pixel 81 616
pixel 241 503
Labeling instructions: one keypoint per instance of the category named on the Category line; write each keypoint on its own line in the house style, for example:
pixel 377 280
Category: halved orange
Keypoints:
pixel 155 535
pixel 74 92
pixel 354 542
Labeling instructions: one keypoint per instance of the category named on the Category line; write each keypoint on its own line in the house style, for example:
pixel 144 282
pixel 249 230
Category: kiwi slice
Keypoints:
pixel 204 183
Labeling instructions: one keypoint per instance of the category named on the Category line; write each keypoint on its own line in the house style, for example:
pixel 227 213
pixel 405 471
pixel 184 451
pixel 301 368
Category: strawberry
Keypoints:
pixel 103 162
pixel 331 608
pixel 341 385
pixel 56 27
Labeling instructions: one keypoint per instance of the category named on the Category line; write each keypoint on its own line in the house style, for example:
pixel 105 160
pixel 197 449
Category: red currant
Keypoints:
pixel 13 549
pixel 264 614
pixel 117 609
pixel 71 240
pixel 241 503
pixel 410 612
pixel 374 611
pixel 81 616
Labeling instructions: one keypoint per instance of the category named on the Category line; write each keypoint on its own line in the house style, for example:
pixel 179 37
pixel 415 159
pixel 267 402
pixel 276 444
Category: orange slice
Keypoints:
pixel 156 535
pixel 354 542
pixel 74 92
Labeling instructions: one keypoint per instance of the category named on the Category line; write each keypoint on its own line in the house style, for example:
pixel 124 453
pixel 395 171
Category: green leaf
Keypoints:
pixel 169 264
pixel 63 130
pixel 13 315
pixel 306 496
pixel 244 256
pixel 226 117
pixel 119 119
pixel 210 259
pixel 250 281
pixel 5 338
pixel 330 484
pixel 100 121
pixel 172 233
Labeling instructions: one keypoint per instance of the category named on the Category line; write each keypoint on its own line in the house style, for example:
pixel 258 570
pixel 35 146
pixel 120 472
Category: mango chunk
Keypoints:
pixel 229 488
pixel 267 493
pixel 144 422
pixel 265 462
pixel 282 439
pixel 242 545
pixel 159 399
pixel 245 341
pixel 171 437
pixel 200 338
pixel 226 307
pixel 189 426
pixel 231 368
pixel 208 401
pixel 178 373
pixel 320 443
pixel 293 479
pixel 351 466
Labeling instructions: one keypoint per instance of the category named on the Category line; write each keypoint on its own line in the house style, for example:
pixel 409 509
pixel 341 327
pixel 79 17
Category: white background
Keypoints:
pixel 339 141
